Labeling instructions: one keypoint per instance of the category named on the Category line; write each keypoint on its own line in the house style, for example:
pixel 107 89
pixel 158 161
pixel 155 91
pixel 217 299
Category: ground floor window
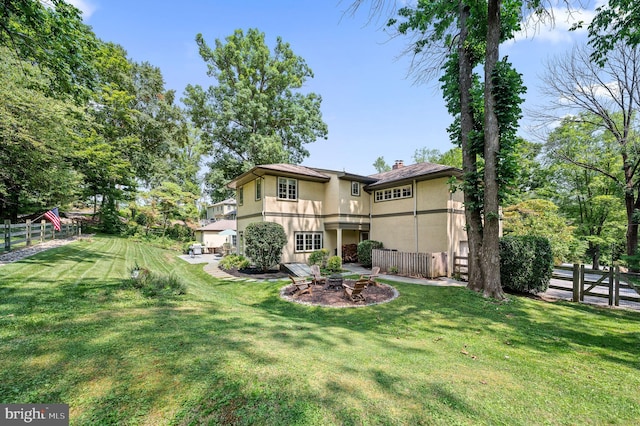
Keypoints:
pixel 308 241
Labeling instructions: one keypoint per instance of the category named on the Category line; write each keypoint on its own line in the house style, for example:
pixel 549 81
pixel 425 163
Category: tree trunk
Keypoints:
pixel 491 233
pixel 472 211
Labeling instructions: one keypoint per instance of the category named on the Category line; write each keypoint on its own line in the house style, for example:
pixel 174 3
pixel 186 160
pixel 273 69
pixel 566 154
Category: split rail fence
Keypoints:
pixel 612 285
pixel 19 235
pixel 426 265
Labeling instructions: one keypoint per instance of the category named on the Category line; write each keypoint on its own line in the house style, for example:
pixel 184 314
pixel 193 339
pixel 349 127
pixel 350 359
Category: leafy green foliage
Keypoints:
pixel 256 113
pixel 35 167
pixel 380 165
pixel 334 264
pixel 155 285
pixel 526 263
pixel 232 261
pixel 264 242
pixel 616 22
pixel 365 249
pixel 585 166
pixel 541 218
pixel 319 257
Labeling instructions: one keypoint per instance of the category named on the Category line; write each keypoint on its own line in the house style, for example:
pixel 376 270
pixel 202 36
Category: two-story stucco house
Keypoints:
pixel 409 208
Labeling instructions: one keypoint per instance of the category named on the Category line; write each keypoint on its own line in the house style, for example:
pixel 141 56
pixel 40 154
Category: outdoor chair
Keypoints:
pixel 355 293
pixel 317 278
pixel 371 278
pixel 301 285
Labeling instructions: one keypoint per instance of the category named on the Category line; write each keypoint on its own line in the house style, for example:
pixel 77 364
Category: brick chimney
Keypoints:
pixel 399 164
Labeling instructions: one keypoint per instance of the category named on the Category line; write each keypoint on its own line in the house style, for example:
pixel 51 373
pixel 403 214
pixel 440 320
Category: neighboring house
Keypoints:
pixel 409 208
pixel 215 234
pixel 223 210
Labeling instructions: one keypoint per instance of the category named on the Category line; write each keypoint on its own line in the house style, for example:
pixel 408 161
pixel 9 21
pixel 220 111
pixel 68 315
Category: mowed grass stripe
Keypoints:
pixel 234 353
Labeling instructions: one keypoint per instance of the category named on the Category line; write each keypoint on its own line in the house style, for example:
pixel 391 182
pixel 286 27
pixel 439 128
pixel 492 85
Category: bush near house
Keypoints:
pixel 334 264
pixel 526 263
pixel 264 243
pixel 365 248
pixel 319 257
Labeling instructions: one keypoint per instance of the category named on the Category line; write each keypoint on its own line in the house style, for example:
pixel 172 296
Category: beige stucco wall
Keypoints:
pixel 432 220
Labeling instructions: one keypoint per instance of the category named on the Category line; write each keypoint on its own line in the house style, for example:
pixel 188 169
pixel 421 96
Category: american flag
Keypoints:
pixel 53 217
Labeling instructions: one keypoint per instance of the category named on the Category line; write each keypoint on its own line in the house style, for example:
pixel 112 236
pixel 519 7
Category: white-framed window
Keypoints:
pixel 241 195
pixel 258 189
pixel 287 189
pixel 394 193
pixel 308 241
pixel 355 189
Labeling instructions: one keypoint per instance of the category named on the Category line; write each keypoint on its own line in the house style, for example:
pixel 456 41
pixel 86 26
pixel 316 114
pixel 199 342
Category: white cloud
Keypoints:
pixel 554 27
pixel 85 6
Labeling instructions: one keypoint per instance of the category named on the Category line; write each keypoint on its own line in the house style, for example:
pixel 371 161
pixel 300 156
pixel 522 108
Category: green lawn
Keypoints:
pixel 233 352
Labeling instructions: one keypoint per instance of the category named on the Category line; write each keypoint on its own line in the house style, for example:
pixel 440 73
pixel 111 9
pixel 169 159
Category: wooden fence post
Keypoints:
pixel 42 229
pixel 611 287
pixel 616 297
pixel 7 235
pixel 582 283
pixel 576 282
pixel 28 232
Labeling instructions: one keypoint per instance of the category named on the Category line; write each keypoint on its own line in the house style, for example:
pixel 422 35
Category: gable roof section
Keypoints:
pixel 405 174
pixel 288 170
pixel 219 225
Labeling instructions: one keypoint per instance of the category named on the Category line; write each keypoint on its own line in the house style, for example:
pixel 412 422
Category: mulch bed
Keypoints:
pixel 323 296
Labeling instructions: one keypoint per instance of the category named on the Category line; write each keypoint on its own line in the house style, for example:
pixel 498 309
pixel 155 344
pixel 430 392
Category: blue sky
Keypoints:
pixel 370 104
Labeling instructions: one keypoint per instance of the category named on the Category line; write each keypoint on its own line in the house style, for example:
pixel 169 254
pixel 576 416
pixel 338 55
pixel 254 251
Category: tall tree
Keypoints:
pixel 52 35
pixel 380 165
pixel 256 113
pixel 36 171
pixel 588 196
pixel 486 119
pixel 608 96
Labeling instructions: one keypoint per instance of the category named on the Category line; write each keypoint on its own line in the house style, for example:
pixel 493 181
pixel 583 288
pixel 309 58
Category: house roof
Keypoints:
pixel 219 225
pixel 228 201
pixel 292 170
pixel 419 171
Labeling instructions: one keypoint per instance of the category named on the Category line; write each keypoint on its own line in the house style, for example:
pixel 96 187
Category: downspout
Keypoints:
pixel 415 214
pixel 450 238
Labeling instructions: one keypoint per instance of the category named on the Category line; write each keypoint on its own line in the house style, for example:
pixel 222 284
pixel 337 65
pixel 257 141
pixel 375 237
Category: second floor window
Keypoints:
pixel 287 189
pixel 355 189
pixel 258 189
pixel 241 195
pixel 394 193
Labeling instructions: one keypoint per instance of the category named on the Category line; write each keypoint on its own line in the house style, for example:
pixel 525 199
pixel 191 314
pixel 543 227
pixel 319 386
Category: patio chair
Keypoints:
pixel 317 278
pixel 301 285
pixel 371 278
pixel 355 293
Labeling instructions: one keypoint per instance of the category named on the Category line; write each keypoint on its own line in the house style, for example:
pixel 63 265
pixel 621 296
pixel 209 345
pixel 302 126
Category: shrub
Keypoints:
pixel 264 242
pixel 155 285
pixel 233 261
pixel 526 263
pixel 364 251
pixel 319 257
pixel 334 264
pixel 179 232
